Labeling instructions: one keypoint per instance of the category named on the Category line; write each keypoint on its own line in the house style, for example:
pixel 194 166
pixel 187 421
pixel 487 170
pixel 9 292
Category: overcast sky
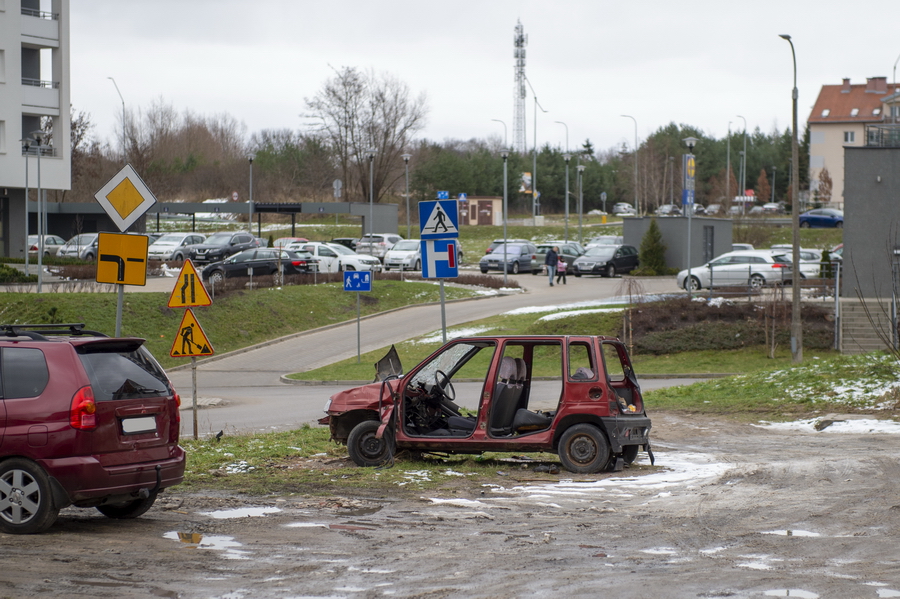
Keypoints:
pixel 700 63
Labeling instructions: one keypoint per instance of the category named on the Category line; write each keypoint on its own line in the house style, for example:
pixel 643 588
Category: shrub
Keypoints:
pixel 8 274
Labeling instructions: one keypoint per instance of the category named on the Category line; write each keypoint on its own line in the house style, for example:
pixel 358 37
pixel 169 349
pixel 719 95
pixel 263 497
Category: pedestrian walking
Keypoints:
pixel 561 271
pixel 550 260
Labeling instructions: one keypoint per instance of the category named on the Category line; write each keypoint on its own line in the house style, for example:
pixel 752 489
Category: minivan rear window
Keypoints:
pixel 24 373
pixel 124 374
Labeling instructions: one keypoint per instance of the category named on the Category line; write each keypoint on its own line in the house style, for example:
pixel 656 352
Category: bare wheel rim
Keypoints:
pixel 582 449
pixel 20 496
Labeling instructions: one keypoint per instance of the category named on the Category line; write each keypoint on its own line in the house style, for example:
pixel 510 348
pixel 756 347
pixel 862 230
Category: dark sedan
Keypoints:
pixel 219 246
pixel 822 217
pixel 607 260
pixel 519 257
pixel 260 262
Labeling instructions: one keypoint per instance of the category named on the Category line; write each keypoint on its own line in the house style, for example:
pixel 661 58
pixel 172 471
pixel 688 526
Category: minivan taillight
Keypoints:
pixel 82 414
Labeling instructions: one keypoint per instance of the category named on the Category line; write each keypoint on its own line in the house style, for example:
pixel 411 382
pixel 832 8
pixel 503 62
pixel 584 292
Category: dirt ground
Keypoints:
pixel 734 511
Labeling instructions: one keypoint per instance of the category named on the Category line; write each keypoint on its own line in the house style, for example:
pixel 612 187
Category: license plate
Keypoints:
pixel 143 424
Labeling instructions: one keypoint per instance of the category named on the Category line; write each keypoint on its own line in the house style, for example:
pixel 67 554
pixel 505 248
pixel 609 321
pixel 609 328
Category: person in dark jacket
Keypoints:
pixel 550 261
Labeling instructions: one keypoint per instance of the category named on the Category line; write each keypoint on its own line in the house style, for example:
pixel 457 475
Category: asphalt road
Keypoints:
pixel 245 387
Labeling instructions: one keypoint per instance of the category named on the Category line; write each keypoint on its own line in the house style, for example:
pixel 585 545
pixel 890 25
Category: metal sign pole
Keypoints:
pixel 120 300
pixel 358 338
pixel 194 392
pixel 443 314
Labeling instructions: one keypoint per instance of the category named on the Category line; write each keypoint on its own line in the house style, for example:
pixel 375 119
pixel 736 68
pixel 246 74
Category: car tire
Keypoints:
pixel 804 225
pixel 839 225
pixel 515 268
pixel 757 281
pixel 418 265
pixel 386 268
pixel 583 449
pixel 128 509
pixel 178 258
pixel 692 284
pixel 89 258
pixel 610 271
pixel 630 453
pixel 365 449
pixel 577 274
pixel 26 502
pixel 216 277
pixel 484 271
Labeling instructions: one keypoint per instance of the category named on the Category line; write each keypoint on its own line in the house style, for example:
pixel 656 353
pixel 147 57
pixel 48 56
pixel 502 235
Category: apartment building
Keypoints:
pixel 34 97
pixel 838 120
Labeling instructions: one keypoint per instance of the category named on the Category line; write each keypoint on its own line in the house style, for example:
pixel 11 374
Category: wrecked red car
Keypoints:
pixel 576 396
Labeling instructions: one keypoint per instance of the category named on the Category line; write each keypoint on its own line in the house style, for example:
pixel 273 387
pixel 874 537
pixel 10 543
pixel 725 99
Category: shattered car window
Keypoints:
pixel 448 362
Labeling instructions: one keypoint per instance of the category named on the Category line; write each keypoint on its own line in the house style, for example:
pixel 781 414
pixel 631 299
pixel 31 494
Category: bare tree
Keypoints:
pixel 825 186
pixel 356 112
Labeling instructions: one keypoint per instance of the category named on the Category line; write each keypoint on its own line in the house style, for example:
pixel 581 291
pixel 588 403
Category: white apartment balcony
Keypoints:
pixel 40 28
pixel 41 97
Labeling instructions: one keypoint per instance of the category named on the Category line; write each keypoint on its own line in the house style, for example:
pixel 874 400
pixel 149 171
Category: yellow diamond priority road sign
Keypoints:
pixel 125 198
pixel 122 258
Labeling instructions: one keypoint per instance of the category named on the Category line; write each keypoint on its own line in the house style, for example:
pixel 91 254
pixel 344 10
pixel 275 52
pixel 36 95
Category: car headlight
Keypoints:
pixel 327 405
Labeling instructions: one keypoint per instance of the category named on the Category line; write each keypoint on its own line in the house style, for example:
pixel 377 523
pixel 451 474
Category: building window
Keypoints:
pixel 826 112
pixel 876 111
pixel 854 112
pixel 849 137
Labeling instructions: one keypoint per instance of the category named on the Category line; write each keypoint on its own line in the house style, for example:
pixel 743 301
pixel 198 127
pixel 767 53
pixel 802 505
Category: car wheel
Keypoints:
pixel 757 281
pixel 692 284
pixel 484 271
pixel 610 271
pixel 367 450
pixel 629 454
pixel 515 268
pixel 216 277
pixel 583 449
pixel 89 257
pixel 418 266
pixel 804 225
pixel 386 268
pixel 577 274
pixel 537 271
pixel 128 509
pixel 839 225
pixel 26 505
pixel 349 267
pixel 179 258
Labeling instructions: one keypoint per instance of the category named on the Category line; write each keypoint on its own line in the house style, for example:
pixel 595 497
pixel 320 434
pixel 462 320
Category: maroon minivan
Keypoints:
pixel 85 420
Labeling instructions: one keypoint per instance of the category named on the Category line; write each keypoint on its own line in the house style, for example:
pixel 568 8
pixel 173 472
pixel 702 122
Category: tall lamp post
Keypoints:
pixel 406 158
pixel 26 148
pixel 535 204
pixel 505 155
pixel 636 205
pixel 250 219
pixel 371 156
pixel 38 137
pixel 774 171
pixel 580 200
pixel 688 203
pixel 505 146
pixel 124 152
pixel 796 322
pixel 743 159
pixel 728 164
pixel 567 157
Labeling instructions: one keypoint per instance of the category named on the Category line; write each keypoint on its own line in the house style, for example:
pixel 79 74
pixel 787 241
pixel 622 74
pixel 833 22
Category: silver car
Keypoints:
pixel 173 246
pixel 738 269
pixel 83 247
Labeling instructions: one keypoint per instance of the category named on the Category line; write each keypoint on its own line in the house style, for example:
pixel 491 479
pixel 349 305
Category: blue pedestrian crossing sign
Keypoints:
pixel 355 280
pixel 443 195
pixel 439 259
pixel 438 219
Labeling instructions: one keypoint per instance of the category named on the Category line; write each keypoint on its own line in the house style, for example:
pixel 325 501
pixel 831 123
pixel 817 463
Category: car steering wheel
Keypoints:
pixel 446 388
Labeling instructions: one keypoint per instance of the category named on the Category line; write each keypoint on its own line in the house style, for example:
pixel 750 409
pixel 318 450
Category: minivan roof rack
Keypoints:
pixel 23 330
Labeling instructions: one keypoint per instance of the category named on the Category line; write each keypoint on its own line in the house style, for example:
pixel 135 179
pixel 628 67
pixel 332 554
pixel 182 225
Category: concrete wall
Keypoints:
pixel 871 220
pixel 710 237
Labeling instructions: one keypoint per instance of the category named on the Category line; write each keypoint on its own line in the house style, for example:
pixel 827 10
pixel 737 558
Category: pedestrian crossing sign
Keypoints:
pixel 438 219
pixel 190 340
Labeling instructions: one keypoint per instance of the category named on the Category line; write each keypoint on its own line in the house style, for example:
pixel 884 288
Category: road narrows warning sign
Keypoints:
pixel 189 290
pixel 190 340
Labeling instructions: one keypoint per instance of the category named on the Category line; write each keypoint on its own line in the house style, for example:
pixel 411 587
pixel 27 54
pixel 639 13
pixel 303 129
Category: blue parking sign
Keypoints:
pixel 355 280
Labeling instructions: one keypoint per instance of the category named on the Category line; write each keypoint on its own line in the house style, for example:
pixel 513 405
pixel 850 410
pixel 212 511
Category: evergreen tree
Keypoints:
pixel 652 254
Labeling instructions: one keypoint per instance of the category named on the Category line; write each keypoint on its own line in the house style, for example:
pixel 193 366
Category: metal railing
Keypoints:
pixel 41 14
pixel 33 151
pixel 40 83
pixel 883 135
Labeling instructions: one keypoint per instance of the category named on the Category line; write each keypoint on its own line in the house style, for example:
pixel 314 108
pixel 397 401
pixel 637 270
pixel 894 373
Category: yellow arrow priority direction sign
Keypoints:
pixel 122 259
pixel 190 340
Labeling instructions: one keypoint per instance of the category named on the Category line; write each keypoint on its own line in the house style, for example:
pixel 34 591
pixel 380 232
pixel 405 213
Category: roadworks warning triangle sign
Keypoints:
pixel 439 222
pixel 190 340
pixel 189 290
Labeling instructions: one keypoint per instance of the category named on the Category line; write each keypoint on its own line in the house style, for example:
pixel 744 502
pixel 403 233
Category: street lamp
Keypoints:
pixel 505 146
pixel 535 204
pixel 38 137
pixel 743 160
pixel 567 158
pixel 124 153
pixel 796 322
pixel 406 158
pixel 26 147
pixel 636 205
pixel 580 200
pixel 371 155
pixel 728 164
pixel 688 203
pixel 505 155
pixel 774 170
pixel 250 219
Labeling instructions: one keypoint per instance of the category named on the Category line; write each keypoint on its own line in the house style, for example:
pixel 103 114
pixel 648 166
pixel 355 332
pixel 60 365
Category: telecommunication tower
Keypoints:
pixel 519 41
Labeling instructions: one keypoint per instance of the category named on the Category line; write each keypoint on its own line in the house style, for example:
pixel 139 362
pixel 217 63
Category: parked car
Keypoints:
pixel 668 210
pixel 741 246
pixel 736 210
pixel 173 246
pixel 519 258
pixel 405 255
pixel 810 259
pixel 822 217
pixel 714 209
pixel 377 244
pixel 83 247
pixel 607 260
pixel 605 240
pixel 623 209
pixel 219 246
pixel 699 210
pixel 512 409
pixel 333 257
pixel 347 242
pixel 741 268
pixel 52 244
pixel 89 421
pixel 260 262
pixel 773 208
pixel 568 251
pixel 755 211
pixel 498 242
pixel 283 242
